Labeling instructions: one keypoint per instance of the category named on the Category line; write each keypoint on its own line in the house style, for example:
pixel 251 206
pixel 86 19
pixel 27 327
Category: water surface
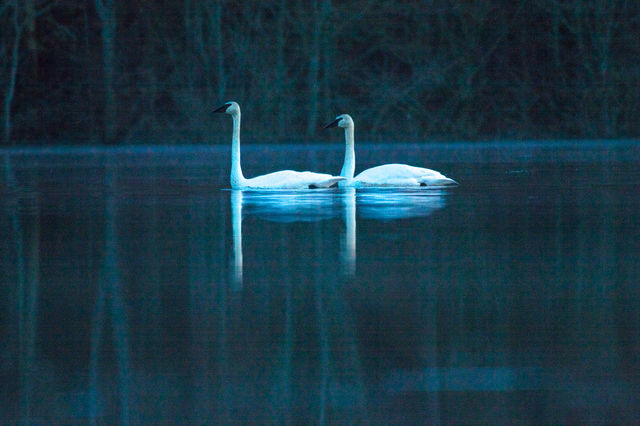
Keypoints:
pixel 136 287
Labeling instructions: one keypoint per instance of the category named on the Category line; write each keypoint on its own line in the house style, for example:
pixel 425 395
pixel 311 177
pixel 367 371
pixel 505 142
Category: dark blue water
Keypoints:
pixel 137 288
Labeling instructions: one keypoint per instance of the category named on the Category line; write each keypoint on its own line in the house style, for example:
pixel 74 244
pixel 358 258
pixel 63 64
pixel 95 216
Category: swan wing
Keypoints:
pixel 402 175
pixel 291 179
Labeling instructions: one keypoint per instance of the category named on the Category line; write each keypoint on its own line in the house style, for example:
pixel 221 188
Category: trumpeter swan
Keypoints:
pixel 284 179
pixel 387 174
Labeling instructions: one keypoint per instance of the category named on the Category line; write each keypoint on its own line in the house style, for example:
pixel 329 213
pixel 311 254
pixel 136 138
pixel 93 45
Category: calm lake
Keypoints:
pixel 137 288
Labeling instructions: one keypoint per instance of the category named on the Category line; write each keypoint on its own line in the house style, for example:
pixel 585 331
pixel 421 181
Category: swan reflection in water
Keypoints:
pixel 321 204
pixel 285 206
pixel 236 225
pixel 288 206
pixel 405 203
pixel 383 204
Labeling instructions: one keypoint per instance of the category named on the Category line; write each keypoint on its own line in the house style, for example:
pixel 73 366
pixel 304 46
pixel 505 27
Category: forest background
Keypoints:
pixel 142 71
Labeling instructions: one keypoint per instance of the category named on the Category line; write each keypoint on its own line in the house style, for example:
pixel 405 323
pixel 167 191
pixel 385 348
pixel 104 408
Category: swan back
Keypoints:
pixel 401 175
pixel 291 179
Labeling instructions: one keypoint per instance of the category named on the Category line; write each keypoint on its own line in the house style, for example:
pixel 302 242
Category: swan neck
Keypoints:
pixel 236 171
pixel 349 166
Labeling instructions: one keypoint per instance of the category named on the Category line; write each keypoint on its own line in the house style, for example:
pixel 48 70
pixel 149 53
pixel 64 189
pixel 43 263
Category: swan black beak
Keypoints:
pixel 223 108
pixel 332 124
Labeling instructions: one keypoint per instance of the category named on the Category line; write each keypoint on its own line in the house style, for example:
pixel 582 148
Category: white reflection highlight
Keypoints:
pixel 390 204
pixel 236 224
pixel 349 237
pixel 292 205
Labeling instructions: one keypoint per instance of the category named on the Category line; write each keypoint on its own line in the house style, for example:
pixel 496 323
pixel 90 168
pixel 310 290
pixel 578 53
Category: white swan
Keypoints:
pixel 284 179
pixel 387 174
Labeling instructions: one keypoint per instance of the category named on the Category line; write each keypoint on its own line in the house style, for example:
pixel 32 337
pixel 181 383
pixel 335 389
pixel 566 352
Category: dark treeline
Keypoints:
pixel 96 71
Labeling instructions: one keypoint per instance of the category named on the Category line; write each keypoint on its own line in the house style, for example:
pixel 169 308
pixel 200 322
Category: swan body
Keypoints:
pixel 401 175
pixel 284 179
pixel 290 179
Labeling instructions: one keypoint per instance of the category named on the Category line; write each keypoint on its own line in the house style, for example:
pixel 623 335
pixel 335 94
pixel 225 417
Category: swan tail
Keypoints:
pixel 440 181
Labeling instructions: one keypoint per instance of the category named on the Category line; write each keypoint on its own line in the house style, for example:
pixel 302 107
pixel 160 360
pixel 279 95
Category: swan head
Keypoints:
pixel 229 108
pixel 343 121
